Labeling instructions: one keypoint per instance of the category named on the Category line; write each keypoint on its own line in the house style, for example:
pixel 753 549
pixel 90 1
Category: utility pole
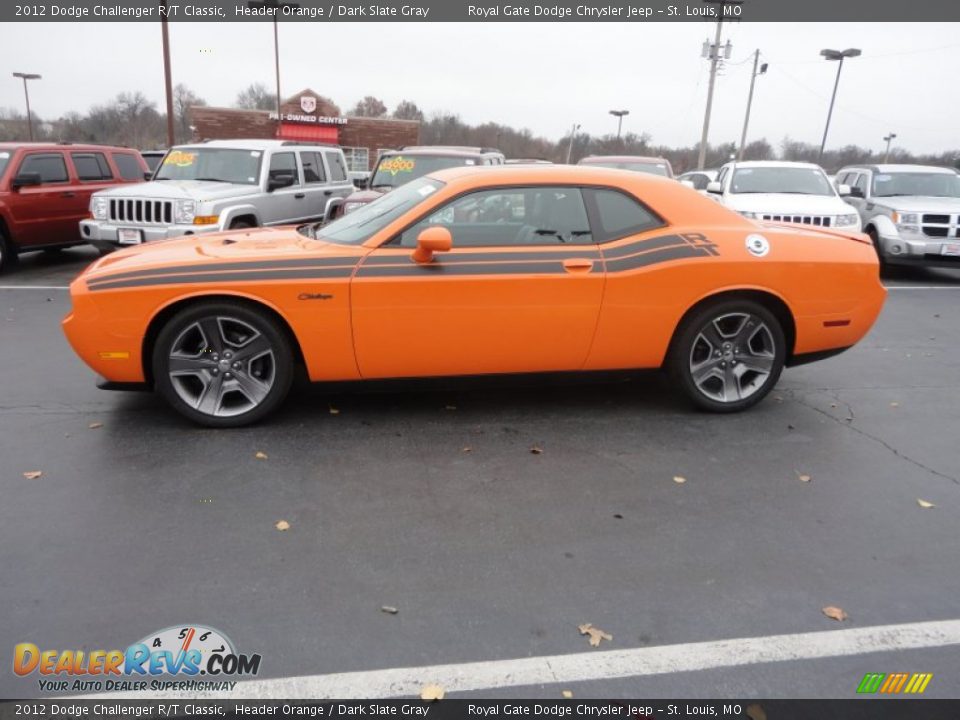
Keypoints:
pixel 167 77
pixel 886 155
pixel 746 119
pixel 714 59
pixel 26 96
pixel 573 134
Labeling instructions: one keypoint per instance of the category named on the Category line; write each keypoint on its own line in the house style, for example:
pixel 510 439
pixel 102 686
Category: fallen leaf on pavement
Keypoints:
pixel 283 525
pixel 925 504
pixel 834 613
pixel 334 411
pixel 803 478
pixel 567 694
pixel 95 425
pixel 431 693
pixel 536 450
pixel 468 449
pixel 679 479
pixel 755 712
pixel 596 634
pixel 389 609
pixel 33 474
pixel 894 404
pixel 450 407
pixel 261 455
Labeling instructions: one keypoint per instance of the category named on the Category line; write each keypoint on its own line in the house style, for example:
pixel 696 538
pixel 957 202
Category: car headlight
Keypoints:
pixel 907 222
pixel 99 207
pixel 351 206
pixel 848 220
pixel 184 212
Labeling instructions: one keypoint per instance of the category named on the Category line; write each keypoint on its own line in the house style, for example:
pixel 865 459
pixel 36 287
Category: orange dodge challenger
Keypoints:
pixel 476 271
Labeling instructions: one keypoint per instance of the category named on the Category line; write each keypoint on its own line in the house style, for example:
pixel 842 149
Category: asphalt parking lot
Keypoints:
pixel 430 500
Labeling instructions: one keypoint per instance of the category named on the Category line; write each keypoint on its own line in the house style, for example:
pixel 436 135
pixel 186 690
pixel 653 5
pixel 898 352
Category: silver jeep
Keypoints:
pixel 220 185
pixel 911 212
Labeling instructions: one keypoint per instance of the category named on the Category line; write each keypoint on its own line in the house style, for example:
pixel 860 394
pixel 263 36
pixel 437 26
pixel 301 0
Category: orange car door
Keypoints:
pixel 519 291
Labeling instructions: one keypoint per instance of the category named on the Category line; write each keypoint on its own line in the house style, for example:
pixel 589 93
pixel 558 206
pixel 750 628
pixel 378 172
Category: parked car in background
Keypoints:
pixel 222 185
pixel 398 167
pixel 528 161
pixel 699 179
pixel 636 163
pixel 911 212
pixel 479 271
pixel 787 192
pixel 153 158
pixel 45 190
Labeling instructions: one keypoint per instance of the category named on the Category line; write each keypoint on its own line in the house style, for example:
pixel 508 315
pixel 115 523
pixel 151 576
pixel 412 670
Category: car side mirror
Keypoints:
pixel 689 184
pixel 714 187
pixel 279 180
pixel 855 192
pixel 361 183
pixel 432 240
pixel 26 179
pixel 148 175
pixel 843 190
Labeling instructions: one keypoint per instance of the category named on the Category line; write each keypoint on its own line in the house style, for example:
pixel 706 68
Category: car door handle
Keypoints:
pixel 328 192
pixel 299 196
pixel 578 264
pixel 68 194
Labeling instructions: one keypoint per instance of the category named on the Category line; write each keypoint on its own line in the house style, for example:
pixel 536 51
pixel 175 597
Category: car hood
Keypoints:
pixel 919 203
pixel 788 203
pixel 199 251
pixel 365 196
pixel 181 190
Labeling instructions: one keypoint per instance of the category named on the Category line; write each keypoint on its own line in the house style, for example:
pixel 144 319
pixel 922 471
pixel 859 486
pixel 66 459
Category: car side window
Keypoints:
pixel 620 215
pixel 338 171
pixel 313 171
pixel 284 165
pixel 128 166
pixel 50 166
pixel 512 217
pixel 722 176
pixel 862 183
pixel 91 166
pixel 699 181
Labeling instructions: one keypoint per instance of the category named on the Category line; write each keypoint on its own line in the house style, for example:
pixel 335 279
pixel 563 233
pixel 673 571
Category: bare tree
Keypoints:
pixel 408 110
pixel 183 99
pixel 256 97
pixel 369 107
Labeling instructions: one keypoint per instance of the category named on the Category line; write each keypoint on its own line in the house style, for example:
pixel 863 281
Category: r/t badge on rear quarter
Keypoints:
pixel 758 245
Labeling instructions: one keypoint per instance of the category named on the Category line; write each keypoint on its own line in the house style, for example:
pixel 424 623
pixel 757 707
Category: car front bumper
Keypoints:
pixel 918 250
pixel 104 233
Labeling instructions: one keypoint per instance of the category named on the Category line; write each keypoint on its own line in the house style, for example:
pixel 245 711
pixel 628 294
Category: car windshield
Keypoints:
pixel 212 164
pixel 4 161
pixel 654 168
pixel 395 170
pixel 361 224
pixel 790 180
pixel 927 184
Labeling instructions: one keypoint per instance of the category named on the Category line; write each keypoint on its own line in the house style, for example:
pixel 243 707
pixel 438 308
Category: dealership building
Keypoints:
pixel 309 117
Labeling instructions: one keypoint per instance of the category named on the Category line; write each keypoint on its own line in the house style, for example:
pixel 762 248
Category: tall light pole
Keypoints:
pixel 26 95
pixel 618 114
pixel 276 5
pixel 573 134
pixel 714 54
pixel 834 55
pixel 888 138
pixel 746 119
pixel 167 77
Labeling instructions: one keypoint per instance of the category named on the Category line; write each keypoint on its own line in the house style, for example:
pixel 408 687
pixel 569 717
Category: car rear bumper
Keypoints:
pixel 105 233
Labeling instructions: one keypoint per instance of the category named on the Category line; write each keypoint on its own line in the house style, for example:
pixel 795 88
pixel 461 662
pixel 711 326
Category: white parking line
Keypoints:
pixel 34 287
pixel 580 667
pixel 922 287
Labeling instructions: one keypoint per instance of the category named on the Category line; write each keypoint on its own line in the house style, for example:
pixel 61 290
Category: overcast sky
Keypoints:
pixel 541 76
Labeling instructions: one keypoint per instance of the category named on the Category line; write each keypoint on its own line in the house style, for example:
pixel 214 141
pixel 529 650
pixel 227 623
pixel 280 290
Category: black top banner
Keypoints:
pixel 860 11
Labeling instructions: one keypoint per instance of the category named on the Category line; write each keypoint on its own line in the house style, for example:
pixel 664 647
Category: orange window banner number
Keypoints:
pixel 398 164
pixel 180 158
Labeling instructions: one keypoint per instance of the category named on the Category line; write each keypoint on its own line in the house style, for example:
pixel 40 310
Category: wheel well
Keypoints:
pixel 162 317
pixel 252 219
pixel 770 301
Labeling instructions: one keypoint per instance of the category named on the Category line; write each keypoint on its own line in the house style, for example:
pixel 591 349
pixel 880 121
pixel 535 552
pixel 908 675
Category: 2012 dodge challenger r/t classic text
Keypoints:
pixel 473 271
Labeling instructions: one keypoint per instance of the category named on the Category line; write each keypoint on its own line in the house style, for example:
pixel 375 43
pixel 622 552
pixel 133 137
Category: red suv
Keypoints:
pixel 45 191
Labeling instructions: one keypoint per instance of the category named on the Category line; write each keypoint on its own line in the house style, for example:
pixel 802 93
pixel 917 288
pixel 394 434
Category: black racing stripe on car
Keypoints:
pixel 444 269
pixel 212 267
pixel 643 246
pixel 193 278
pixel 655 257
pixel 575 251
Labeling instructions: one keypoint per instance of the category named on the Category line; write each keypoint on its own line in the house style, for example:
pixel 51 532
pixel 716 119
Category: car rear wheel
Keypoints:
pixel 223 364
pixel 8 255
pixel 729 355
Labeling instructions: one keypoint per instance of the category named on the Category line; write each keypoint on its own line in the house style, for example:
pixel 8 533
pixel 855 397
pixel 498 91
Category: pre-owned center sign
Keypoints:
pixel 316 119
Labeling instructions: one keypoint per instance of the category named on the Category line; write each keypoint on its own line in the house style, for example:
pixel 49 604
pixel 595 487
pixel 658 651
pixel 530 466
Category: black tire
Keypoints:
pixel 761 344
pixel 243 331
pixel 241 225
pixel 8 254
pixel 884 266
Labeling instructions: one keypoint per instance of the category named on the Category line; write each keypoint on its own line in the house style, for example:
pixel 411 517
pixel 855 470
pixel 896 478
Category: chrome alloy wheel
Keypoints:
pixel 732 357
pixel 222 366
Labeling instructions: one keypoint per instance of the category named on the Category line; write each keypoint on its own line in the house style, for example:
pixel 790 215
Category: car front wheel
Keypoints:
pixel 223 364
pixel 729 355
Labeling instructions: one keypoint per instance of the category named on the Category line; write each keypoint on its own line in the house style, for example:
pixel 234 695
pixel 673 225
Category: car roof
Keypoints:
pixel 891 167
pixel 259 144
pixel 624 158
pixel 445 150
pixel 775 164
pixel 60 146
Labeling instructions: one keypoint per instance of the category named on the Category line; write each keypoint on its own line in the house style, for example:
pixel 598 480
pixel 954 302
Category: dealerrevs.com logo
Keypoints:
pixel 172 659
